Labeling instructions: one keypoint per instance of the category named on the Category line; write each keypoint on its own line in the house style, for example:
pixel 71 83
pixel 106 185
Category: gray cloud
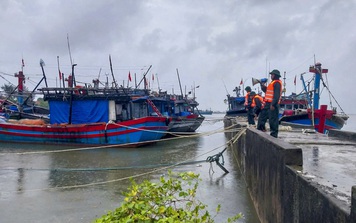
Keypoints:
pixel 211 43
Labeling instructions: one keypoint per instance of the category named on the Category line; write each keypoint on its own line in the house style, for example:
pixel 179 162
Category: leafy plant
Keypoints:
pixel 169 200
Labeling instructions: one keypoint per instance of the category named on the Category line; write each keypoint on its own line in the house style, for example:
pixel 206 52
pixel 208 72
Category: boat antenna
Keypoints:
pixel 42 64
pixel 159 89
pixel 59 72
pixel 99 73
pixel 70 54
pixel 144 76
pixel 180 86
pixel 225 87
pixel 135 80
pixel 284 84
pixel 112 72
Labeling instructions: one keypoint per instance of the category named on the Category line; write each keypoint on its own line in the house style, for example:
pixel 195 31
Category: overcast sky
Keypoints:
pixel 213 44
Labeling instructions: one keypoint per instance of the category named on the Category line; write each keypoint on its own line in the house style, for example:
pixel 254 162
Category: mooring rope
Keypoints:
pixel 186 162
pixel 219 130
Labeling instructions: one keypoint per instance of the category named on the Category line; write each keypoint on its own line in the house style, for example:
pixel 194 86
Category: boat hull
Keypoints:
pixel 333 122
pixel 138 131
pixel 185 124
pixel 241 112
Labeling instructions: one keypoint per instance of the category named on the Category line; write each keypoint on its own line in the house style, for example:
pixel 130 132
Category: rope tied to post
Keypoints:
pixel 216 158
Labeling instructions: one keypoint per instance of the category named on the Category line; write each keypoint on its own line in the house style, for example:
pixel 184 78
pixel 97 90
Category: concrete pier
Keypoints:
pixel 302 176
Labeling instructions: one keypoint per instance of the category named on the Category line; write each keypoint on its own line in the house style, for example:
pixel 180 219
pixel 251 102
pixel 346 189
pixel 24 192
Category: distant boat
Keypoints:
pixel 317 116
pixel 180 110
pixel 293 105
pixel 88 116
pixel 184 118
pixel 205 112
pixel 22 107
pixel 236 104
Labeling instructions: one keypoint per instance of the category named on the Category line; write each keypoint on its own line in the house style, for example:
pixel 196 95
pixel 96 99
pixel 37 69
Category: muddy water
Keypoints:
pixel 79 186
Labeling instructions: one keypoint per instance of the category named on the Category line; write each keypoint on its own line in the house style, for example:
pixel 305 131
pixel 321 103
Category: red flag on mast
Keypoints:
pixel 241 82
pixel 130 76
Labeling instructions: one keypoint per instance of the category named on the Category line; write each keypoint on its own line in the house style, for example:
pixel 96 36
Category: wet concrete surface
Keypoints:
pixel 327 161
pixel 80 186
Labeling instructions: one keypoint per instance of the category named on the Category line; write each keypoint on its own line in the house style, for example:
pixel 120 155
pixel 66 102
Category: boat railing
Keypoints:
pixel 89 93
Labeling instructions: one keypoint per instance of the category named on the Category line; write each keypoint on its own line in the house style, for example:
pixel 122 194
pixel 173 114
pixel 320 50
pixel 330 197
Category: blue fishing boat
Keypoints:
pixel 184 118
pixel 236 104
pixel 22 107
pixel 179 110
pixel 204 112
pixel 317 116
pixel 89 116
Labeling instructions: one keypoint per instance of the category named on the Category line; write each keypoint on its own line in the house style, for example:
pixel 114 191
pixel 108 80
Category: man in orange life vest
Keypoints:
pixel 248 108
pixel 272 99
pixel 257 103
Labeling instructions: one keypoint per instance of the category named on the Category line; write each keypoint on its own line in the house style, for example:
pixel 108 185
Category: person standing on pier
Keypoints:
pixel 257 103
pixel 248 108
pixel 273 94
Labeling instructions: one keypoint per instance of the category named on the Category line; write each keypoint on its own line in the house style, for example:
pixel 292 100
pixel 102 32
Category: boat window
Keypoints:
pixel 139 110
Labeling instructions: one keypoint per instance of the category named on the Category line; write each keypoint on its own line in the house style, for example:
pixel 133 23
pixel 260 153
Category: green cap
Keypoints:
pixel 275 72
pixel 248 88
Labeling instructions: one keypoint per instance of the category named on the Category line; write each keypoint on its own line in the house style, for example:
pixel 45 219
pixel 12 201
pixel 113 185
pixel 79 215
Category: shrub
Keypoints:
pixel 169 200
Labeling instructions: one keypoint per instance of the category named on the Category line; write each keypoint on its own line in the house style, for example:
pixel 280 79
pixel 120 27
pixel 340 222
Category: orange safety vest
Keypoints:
pixel 246 98
pixel 270 91
pixel 253 104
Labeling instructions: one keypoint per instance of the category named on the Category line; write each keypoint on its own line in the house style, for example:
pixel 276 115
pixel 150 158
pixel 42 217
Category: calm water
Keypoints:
pixel 61 187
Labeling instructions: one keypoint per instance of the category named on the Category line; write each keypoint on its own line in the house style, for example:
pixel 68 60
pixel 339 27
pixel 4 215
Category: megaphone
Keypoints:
pixel 261 81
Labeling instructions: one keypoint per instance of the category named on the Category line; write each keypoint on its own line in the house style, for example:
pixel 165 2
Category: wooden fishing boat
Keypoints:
pixel 22 107
pixel 88 116
pixel 236 104
pixel 317 116
pixel 180 111
pixel 91 117
pixel 204 112
pixel 184 118
pixel 132 132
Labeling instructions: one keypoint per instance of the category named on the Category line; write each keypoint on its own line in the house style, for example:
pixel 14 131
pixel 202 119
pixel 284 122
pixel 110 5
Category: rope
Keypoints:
pixel 119 145
pixel 186 162
pixel 332 96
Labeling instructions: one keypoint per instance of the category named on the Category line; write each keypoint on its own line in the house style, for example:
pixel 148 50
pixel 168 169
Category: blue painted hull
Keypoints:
pixel 133 132
pixel 303 119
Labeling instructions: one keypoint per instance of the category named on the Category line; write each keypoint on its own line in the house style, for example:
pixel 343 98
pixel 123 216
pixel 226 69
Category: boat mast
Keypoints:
pixel 305 89
pixel 284 84
pixel 71 97
pixel 180 86
pixel 21 79
pixel 318 71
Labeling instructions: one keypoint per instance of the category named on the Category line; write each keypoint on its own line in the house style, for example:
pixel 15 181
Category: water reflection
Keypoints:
pixel 20 180
pixel 79 186
pixel 315 153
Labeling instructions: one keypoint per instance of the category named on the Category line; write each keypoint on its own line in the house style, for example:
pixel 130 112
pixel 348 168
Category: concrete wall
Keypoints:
pixel 279 193
pixel 350 136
